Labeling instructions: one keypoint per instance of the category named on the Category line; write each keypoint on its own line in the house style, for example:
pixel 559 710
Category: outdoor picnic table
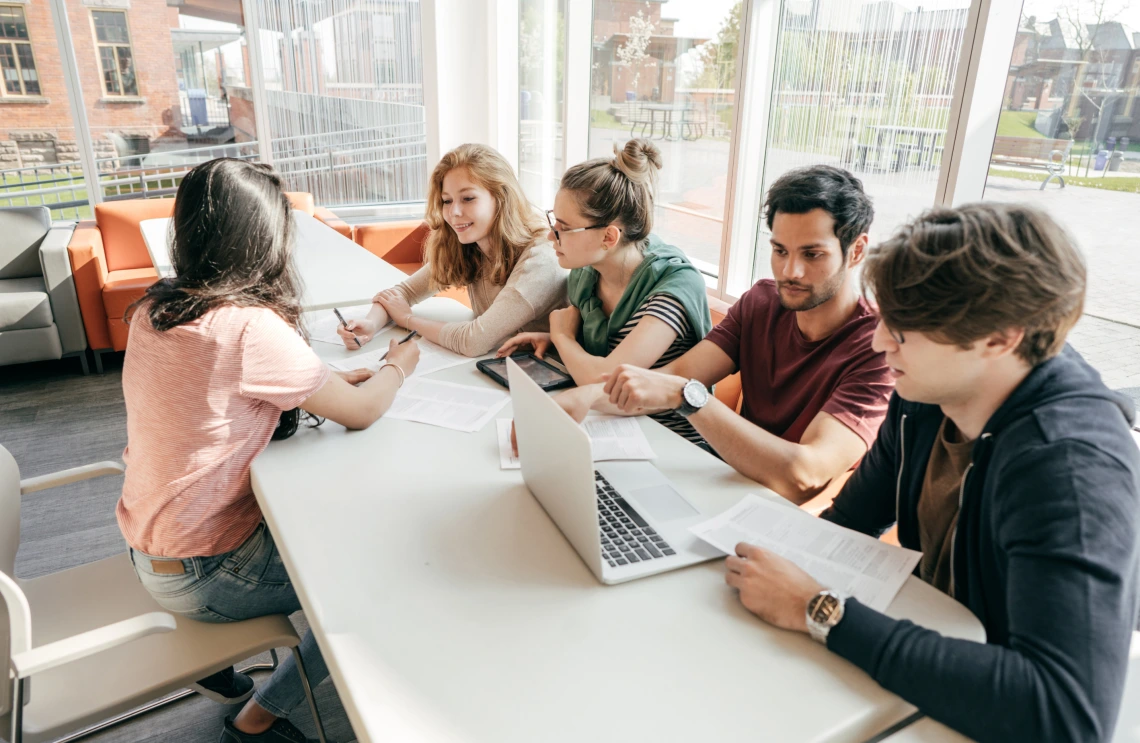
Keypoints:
pixel 921 140
pixel 665 113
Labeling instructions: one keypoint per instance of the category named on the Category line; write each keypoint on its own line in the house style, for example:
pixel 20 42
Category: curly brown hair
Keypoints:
pixel 959 275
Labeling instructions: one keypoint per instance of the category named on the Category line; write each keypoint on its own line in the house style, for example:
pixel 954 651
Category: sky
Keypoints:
pixel 702 18
pixel 1047 9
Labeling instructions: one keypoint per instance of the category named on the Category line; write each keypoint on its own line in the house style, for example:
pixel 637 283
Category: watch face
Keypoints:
pixel 696 394
pixel 824 608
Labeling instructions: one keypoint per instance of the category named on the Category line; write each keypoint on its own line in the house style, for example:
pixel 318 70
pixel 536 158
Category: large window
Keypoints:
pixel 542 45
pixel 345 98
pixel 17 62
pixel 113 43
pixel 1068 139
pixel 866 86
pixel 666 71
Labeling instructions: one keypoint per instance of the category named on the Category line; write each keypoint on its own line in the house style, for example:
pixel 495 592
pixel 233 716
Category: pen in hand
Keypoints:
pixel 403 340
pixel 342 322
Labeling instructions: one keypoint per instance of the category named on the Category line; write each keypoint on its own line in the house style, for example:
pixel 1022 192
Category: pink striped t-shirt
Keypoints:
pixel 203 400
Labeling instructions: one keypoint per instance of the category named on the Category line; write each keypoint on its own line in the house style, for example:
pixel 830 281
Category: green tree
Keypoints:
pixel 719 57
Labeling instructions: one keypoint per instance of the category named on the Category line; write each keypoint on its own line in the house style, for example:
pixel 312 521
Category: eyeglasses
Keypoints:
pixel 550 220
pixel 896 336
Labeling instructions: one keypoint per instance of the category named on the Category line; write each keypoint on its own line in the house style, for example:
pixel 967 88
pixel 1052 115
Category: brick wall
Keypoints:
pixel 41 130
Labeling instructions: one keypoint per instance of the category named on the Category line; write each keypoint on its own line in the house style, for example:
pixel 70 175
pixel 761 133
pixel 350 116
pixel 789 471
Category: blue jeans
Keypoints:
pixel 248 582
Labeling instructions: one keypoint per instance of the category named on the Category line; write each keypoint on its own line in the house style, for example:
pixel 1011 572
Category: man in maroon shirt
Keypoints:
pixel 814 390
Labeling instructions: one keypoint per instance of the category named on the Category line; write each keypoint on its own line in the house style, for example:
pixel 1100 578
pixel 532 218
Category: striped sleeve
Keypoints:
pixel 668 310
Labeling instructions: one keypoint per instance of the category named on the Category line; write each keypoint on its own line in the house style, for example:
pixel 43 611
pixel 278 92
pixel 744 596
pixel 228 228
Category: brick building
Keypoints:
pixel 127 68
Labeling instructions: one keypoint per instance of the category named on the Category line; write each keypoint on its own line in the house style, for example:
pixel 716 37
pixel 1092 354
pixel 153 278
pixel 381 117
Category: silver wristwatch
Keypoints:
pixel 694 396
pixel 824 611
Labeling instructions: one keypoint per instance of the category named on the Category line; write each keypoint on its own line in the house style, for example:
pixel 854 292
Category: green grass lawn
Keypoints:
pixel 50 200
pixel 1125 183
pixel 1018 124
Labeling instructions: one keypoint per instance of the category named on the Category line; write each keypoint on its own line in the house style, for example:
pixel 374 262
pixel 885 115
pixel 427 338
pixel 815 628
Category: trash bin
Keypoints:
pixel 1115 160
pixel 630 96
pixel 198 114
pixel 1101 160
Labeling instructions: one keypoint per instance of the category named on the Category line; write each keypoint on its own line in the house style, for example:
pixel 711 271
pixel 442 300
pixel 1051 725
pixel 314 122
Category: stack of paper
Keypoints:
pixel 322 324
pixel 432 358
pixel 611 437
pixel 846 561
pixel 456 406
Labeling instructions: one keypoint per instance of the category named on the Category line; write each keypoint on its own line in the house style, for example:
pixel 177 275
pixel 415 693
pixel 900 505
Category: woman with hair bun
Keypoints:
pixel 634 299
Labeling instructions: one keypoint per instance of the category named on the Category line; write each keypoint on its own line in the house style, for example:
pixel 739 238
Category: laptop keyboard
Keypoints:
pixel 626 537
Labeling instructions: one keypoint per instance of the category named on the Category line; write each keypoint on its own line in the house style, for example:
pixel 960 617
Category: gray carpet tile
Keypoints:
pixel 52 418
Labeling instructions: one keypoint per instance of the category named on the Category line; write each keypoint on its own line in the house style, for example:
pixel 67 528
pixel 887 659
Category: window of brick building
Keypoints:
pixel 17 65
pixel 113 41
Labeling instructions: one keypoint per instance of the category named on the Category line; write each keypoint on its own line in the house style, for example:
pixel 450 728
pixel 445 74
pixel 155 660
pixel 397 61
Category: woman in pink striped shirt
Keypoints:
pixel 213 358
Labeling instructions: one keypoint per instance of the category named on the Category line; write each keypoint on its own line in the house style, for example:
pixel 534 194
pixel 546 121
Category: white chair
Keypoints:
pixel 1128 725
pixel 88 647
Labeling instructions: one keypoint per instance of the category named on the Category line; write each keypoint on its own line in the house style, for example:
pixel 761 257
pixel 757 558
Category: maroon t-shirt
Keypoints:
pixel 787 379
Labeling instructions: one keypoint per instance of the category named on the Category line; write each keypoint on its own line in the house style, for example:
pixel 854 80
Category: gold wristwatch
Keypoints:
pixel 824 611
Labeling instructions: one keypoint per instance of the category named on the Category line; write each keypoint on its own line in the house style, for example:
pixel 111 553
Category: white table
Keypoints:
pixel 449 606
pixel 335 270
pixel 926 730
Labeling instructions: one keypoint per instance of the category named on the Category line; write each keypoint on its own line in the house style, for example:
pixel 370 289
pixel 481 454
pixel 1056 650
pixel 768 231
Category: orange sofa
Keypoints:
pixel 401 243
pixel 112 267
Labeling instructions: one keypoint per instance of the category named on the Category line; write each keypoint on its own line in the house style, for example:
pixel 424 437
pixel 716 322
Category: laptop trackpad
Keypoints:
pixel 662 503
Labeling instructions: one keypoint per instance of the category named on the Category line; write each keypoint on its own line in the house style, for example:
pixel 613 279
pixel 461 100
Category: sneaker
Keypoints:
pixel 225 687
pixel 281 731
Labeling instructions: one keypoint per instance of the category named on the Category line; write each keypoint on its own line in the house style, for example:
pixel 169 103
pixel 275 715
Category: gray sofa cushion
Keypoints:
pixel 22 229
pixel 24 304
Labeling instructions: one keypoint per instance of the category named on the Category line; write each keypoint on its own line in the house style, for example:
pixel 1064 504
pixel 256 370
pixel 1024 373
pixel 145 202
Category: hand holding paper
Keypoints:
pixel 846 561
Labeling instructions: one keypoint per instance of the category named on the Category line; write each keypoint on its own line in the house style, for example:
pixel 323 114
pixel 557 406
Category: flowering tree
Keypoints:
pixel 632 52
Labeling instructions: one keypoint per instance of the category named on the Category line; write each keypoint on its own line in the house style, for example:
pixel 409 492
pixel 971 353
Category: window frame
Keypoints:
pixel 115 46
pixel 11 44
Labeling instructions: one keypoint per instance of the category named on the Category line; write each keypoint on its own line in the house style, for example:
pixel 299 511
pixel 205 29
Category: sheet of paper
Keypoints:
pixel 507 458
pixel 322 324
pixel 617 437
pixel 460 407
pixel 432 358
pixel 843 560
pixel 612 437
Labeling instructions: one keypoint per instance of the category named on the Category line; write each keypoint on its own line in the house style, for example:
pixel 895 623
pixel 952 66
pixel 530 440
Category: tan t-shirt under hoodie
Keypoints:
pixel 938 504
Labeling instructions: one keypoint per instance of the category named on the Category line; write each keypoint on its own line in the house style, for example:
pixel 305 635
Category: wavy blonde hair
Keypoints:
pixel 516 227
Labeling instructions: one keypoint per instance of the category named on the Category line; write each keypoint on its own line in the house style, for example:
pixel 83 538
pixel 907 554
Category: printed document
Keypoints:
pixel 843 560
pixel 322 324
pixel 612 437
pixel 432 358
pixel 456 406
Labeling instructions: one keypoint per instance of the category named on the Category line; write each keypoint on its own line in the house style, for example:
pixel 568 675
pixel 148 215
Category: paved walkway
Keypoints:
pixel 1104 224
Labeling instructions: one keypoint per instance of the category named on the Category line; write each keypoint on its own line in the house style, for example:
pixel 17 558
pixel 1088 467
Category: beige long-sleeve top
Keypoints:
pixel 535 287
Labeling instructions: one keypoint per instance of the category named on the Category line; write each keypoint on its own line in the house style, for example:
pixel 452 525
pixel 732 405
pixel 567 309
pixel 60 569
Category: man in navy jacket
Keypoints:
pixel 1010 465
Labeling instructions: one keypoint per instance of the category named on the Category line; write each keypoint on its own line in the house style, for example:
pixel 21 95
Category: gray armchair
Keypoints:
pixel 39 311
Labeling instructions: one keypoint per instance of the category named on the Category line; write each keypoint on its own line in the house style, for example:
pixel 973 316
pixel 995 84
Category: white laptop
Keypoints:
pixel 626 520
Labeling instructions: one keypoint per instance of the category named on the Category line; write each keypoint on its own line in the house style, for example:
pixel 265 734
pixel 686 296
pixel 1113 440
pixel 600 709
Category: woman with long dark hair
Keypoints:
pixel 214 357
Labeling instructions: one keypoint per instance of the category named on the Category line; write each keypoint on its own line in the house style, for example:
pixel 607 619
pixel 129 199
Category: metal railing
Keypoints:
pixel 369 152
pixel 205 111
pixel 61 186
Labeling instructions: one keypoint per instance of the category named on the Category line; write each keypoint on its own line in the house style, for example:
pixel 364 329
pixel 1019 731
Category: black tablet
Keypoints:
pixel 545 376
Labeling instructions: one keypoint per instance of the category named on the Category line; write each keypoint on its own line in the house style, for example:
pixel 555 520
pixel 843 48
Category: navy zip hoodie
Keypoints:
pixel 1045 554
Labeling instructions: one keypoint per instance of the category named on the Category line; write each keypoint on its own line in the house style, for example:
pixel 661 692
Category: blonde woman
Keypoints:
pixel 485 236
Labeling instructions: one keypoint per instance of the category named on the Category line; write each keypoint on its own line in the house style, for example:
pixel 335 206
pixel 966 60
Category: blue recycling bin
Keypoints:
pixel 1101 160
pixel 198 114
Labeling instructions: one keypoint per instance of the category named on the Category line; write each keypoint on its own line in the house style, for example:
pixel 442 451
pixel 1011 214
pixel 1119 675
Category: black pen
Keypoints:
pixel 403 340
pixel 342 322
